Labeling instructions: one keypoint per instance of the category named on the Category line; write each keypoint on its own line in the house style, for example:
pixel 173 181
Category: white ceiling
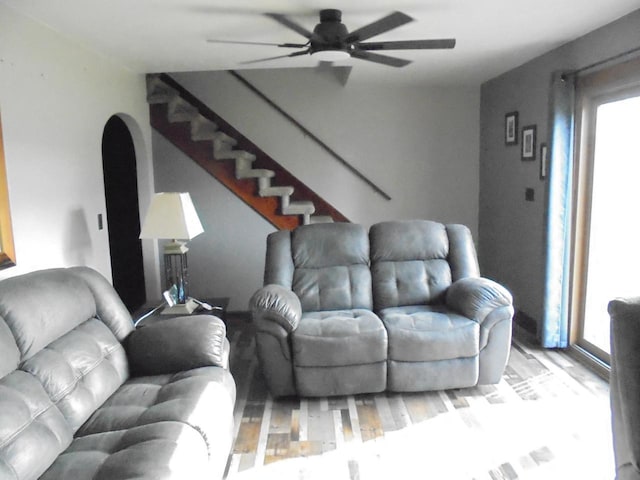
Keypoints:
pixel 493 36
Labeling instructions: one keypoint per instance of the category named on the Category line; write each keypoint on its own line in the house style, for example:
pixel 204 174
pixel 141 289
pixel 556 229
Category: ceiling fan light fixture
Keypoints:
pixel 330 55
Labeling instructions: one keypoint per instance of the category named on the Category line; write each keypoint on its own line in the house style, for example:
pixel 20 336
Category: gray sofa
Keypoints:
pixel 624 385
pixel 84 395
pixel 401 307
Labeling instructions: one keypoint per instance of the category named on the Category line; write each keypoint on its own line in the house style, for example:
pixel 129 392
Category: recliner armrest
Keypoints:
pixel 178 344
pixel 477 297
pixel 277 304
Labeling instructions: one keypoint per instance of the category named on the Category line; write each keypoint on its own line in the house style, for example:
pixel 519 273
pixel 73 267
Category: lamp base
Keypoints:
pixel 175 247
pixel 181 308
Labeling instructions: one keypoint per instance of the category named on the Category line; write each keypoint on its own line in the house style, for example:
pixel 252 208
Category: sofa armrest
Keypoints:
pixel 476 297
pixel 277 304
pixel 178 344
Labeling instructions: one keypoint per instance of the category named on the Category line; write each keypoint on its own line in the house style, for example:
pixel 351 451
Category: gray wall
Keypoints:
pixel 420 145
pixel 512 233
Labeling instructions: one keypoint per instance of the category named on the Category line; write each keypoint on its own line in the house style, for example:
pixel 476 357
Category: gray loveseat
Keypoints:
pixel 84 395
pixel 401 307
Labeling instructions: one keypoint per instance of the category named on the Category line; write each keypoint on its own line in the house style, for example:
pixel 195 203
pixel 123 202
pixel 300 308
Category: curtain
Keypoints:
pixel 555 322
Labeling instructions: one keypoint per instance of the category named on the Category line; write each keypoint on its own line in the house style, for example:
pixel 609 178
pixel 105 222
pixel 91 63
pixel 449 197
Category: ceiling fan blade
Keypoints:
pixel 240 42
pixel 296 27
pixel 385 24
pixel 294 54
pixel 409 44
pixel 384 59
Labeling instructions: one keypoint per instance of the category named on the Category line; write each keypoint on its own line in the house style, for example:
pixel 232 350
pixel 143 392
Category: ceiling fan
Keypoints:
pixel 330 39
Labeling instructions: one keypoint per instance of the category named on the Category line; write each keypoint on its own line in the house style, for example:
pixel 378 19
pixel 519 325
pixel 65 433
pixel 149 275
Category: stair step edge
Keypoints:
pixel 227 154
pixel 264 183
pixel 244 159
pixel 159 92
pixel 254 173
pixel 202 128
pixel 221 137
pixel 156 98
pixel 299 208
pixel 181 111
pixel 275 191
pixel 313 219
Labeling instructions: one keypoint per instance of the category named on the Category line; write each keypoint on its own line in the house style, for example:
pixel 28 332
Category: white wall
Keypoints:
pixel 55 99
pixel 420 145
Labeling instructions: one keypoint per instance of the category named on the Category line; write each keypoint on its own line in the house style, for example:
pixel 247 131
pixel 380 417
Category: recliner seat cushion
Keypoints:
pixel 339 338
pixel 430 348
pixel 427 333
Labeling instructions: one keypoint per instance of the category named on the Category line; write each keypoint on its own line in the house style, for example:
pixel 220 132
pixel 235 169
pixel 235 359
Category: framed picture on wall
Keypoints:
pixel 511 128
pixel 543 161
pixel 529 142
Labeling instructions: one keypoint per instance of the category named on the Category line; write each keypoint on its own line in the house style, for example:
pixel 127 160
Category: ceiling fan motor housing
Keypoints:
pixel 332 32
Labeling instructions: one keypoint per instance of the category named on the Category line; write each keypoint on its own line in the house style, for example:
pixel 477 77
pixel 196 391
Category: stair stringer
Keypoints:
pixel 232 159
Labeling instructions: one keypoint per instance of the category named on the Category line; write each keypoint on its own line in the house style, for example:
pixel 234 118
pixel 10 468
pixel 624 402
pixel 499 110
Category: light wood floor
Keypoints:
pixel 547 418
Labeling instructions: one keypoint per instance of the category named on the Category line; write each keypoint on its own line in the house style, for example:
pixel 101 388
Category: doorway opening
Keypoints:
pixel 123 220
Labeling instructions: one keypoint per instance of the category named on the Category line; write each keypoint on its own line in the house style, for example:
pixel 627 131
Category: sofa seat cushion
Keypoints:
pixel 339 338
pixel 429 333
pixel 203 398
pixel 164 450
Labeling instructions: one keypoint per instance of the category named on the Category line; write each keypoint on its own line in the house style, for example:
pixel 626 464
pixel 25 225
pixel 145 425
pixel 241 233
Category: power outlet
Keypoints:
pixel 529 194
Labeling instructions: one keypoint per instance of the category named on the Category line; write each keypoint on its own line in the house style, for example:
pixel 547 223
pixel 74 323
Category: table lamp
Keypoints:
pixel 172 216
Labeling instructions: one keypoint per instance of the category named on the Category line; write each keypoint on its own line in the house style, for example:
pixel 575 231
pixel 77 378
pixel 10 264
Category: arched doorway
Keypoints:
pixel 121 196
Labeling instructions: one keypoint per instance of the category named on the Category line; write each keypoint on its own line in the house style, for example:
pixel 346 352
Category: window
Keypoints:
pixel 607 224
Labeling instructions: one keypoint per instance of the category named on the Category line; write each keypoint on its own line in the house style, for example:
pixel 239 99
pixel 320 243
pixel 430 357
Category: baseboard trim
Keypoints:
pixel 526 322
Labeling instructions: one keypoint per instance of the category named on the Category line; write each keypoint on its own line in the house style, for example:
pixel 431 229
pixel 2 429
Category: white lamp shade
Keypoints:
pixel 172 216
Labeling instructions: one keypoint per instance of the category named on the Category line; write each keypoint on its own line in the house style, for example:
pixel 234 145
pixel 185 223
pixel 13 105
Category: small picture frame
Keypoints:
pixel 544 159
pixel 511 128
pixel 529 142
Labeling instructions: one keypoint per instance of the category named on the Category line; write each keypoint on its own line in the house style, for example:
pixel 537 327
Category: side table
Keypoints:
pixel 152 312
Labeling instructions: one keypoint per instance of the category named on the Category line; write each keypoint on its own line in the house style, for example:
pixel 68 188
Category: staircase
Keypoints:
pixel 232 159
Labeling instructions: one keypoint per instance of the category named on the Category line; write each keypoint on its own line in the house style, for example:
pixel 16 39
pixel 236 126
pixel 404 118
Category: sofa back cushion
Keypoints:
pixel 327 266
pixel 67 326
pixel 80 370
pixel 413 262
pixel 9 353
pixel 33 432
